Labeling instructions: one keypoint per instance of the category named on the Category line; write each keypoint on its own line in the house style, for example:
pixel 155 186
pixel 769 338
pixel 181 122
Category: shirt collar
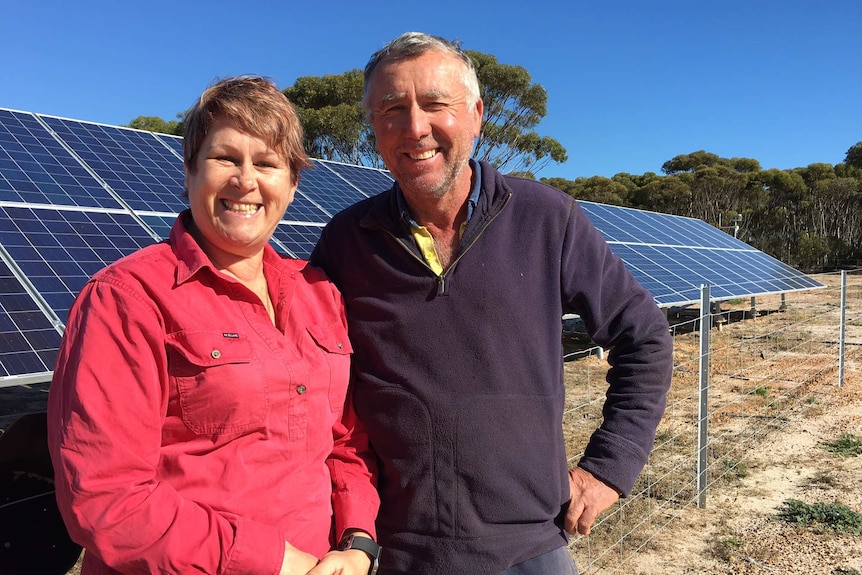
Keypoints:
pixel 472 201
pixel 190 257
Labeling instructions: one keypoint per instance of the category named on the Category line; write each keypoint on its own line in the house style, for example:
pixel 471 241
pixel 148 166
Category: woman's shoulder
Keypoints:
pixel 147 262
pixel 310 274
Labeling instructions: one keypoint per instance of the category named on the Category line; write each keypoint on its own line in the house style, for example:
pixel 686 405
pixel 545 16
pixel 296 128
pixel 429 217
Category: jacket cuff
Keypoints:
pixel 614 461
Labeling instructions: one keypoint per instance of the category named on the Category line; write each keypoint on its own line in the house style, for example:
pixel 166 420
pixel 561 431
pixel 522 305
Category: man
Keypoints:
pixel 455 282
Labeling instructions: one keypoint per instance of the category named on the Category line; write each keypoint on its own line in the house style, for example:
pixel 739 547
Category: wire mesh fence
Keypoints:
pixel 769 360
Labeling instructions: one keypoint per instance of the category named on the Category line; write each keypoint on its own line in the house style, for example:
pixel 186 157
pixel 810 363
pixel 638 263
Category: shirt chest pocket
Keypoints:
pixel 334 364
pixel 219 382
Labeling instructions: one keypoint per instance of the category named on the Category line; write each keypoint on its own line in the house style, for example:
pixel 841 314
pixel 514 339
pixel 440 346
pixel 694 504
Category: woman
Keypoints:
pixel 197 415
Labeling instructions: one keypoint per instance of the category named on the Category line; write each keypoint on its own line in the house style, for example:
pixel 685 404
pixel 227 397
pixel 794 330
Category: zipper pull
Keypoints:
pixel 441 284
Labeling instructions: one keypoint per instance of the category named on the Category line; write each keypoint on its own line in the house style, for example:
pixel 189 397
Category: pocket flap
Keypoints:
pixel 332 338
pixel 207 348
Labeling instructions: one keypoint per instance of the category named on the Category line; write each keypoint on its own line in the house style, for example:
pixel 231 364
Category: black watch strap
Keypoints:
pixel 365 544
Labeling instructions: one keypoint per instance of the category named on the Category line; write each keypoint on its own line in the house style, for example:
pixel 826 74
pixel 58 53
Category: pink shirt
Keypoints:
pixel 189 434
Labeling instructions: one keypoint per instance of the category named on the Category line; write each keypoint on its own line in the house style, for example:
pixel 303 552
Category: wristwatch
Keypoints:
pixel 371 548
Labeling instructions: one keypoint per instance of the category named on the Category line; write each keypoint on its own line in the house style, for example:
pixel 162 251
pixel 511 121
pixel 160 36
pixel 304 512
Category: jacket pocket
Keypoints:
pixel 511 460
pixel 219 381
pixel 332 341
pixel 401 434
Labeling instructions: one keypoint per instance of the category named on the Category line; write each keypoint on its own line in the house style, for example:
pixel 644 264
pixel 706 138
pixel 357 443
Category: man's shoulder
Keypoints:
pixel 525 189
pixel 361 211
pixel 538 195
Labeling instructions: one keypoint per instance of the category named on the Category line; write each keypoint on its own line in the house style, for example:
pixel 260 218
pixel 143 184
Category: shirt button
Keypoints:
pixel 301 389
pixel 340 345
pixel 215 354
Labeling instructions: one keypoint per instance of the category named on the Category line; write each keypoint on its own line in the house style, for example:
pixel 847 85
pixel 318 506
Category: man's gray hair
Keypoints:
pixel 413 44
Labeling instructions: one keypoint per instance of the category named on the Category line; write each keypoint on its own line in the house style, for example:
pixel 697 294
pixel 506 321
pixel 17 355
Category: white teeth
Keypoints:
pixel 423 155
pixel 240 208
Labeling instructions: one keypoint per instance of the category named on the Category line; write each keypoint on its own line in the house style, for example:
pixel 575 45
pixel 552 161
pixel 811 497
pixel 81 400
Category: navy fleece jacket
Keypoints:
pixel 459 378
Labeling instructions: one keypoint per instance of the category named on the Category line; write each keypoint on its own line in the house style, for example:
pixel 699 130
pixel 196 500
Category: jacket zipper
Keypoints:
pixel 441 279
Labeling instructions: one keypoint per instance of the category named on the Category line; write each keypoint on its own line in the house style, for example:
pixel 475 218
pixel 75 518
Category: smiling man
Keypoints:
pixel 455 282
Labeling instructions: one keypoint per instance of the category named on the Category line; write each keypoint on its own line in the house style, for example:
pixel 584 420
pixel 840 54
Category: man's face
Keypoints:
pixel 424 123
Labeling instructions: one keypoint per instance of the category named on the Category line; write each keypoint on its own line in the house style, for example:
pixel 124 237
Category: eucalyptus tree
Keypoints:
pixel 156 124
pixel 329 108
pixel 514 106
pixel 854 155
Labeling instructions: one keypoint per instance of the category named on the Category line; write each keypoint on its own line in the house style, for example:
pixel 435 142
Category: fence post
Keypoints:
pixel 703 395
pixel 842 328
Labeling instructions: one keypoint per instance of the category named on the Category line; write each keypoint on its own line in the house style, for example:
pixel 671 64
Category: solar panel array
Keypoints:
pixel 672 256
pixel 75 196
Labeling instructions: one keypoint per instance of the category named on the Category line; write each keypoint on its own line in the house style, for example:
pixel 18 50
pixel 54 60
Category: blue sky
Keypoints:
pixel 631 84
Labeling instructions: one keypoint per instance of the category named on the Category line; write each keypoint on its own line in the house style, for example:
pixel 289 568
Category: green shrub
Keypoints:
pixel 832 516
pixel 847 444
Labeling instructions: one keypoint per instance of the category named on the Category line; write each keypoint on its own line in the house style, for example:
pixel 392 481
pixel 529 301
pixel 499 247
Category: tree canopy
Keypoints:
pixel 514 106
pixel 156 124
pixel 809 218
pixel 330 110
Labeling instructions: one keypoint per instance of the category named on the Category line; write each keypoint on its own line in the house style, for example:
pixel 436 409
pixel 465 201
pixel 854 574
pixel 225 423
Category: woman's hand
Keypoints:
pixel 296 562
pixel 349 562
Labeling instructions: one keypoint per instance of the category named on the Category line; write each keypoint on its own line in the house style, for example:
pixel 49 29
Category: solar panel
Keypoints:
pixel 160 224
pixel 298 238
pixel 370 181
pixel 59 250
pixel 145 172
pixel 173 142
pixel 327 190
pixel 28 340
pixel 36 168
pixel 672 256
pixel 76 196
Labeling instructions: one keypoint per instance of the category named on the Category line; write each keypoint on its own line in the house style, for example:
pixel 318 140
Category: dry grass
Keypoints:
pixel 773 402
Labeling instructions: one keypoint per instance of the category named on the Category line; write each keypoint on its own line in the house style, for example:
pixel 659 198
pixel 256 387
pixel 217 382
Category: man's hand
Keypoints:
pixel 296 562
pixel 589 497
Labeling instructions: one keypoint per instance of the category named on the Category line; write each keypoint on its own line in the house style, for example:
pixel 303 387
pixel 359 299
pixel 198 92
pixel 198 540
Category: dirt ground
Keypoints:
pixel 738 531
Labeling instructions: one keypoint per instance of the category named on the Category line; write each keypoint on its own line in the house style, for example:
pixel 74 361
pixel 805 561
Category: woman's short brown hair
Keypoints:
pixel 254 105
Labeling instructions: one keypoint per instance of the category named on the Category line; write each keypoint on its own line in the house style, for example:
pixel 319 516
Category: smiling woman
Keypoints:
pixel 233 365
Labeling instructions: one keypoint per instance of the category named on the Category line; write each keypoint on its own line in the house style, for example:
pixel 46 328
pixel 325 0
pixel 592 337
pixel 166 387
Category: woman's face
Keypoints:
pixel 238 192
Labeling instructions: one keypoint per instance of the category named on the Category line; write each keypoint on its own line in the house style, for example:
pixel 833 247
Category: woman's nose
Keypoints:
pixel 243 179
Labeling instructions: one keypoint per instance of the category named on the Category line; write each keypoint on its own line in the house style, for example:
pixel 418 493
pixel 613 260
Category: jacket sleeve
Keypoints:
pixel 621 315
pixel 106 409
